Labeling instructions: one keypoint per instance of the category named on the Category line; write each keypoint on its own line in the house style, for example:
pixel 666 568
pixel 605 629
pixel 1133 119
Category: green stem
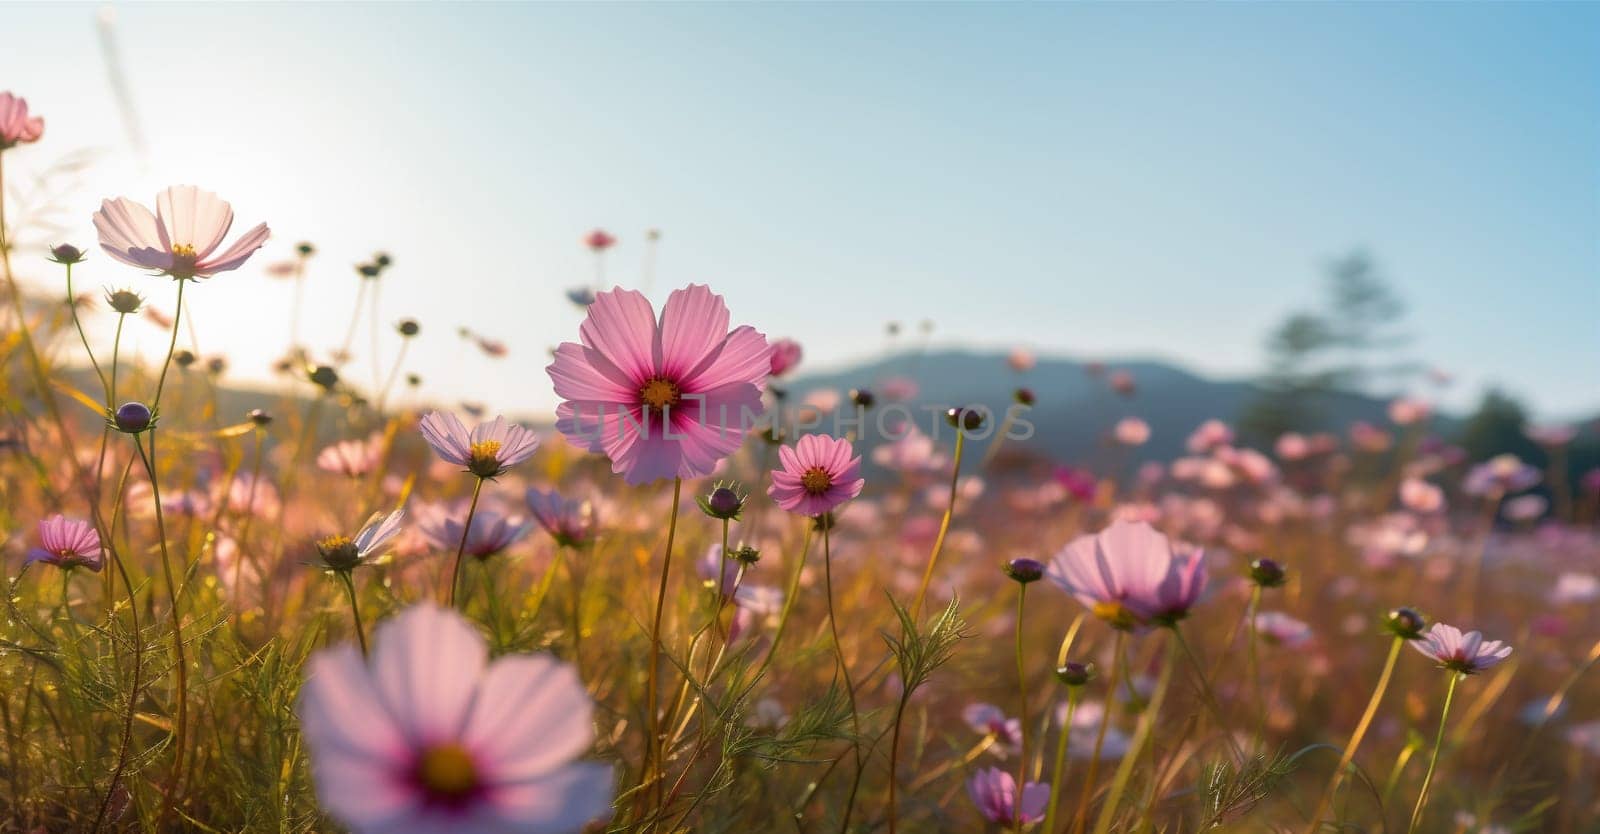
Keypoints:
pixel 1207 697
pixel 1360 732
pixel 1141 735
pixel 844 672
pixel 461 546
pixel 653 752
pixel 180 668
pixel 1438 741
pixel 1118 670
pixel 1058 774
pixel 355 609
pixel 944 528
pixel 1255 667
pixel 1022 710
pixel 77 322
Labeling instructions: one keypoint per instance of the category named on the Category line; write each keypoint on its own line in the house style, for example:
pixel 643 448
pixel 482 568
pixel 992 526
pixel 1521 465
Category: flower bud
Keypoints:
pixel 747 554
pixel 383 260
pixel 66 254
pixel 1024 396
pixel 132 417
pixel 259 417
pixel 862 398
pixel 216 365
pixel 325 377
pixel 184 358
pixel 1267 573
pixel 413 380
pixel 305 250
pixel 1405 622
pixel 409 327
pixel 1024 570
pixel 368 270
pixel 1075 673
pixel 965 419
pixel 723 502
pixel 126 302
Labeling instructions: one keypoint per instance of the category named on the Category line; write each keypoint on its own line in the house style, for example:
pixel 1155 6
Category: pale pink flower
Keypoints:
pixel 1466 654
pixel 1292 446
pixel 897 389
pixel 817 474
pixel 1419 496
pixel 1575 588
pixel 1130 575
pixel 911 451
pixel 1369 438
pixel 1407 411
pixel 785 355
pixel 352 458
pixel 488 450
pixel 661 399
pixel 569 521
pixel 1021 359
pixel 599 240
pixel 431 737
pixel 1551 436
pixel 1499 475
pixel 16 126
pixel 1131 431
pixel 1209 435
pixel 1280 629
pixel 1122 383
pixel 1526 507
pixel 181 238
pixel 994 791
pixel 67 543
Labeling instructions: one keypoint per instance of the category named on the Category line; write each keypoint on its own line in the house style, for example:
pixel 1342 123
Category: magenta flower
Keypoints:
pixel 661 399
pixel 785 355
pixel 492 531
pixel 569 521
pixel 67 543
pixel 990 720
pixel 818 474
pixel 488 450
pixel 994 791
pixel 599 240
pixel 432 737
pixel 16 126
pixel 1130 576
pixel 181 238
pixel 1081 484
pixel 1466 654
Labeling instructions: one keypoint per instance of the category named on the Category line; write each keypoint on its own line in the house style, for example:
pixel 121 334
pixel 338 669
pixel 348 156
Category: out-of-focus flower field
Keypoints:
pixel 698 602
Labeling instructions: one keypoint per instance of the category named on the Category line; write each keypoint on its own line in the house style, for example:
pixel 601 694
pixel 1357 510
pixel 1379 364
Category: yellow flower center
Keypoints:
pixel 182 250
pixel 816 480
pixel 339 552
pixel 333 542
pixel 483 458
pixel 1115 614
pixel 447 772
pixel 660 393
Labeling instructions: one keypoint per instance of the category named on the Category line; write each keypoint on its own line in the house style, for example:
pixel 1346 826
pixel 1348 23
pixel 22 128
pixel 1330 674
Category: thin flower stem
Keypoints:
pixel 1141 735
pixel 180 668
pixel 172 346
pixel 1360 732
pixel 788 605
pixel 1433 760
pixel 1058 773
pixel 1255 667
pixel 461 546
pixel 394 373
pixel 1207 697
pixel 1022 710
pixel 844 672
pixel 126 744
pixel 77 322
pixel 355 609
pixel 653 750
pixel 1118 669
pixel 944 528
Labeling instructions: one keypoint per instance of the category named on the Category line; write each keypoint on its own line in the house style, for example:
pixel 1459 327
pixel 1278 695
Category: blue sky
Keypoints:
pixel 1089 180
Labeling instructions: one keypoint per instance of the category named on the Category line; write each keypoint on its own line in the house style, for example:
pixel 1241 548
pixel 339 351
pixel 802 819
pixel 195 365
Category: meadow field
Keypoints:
pixel 706 595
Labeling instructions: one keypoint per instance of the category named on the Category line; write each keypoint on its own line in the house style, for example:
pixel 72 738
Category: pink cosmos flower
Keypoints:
pixel 352 458
pixel 16 126
pixel 1280 629
pixel 785 355
pixel 1292 446
pixel 1021 359
pixel 1419 496
pixel 1122 383
pixel 488 450
pixel 1131 431
pixel 1081 484
pixel 661 399
pixel 1499 475
pixel 1407 411
pixel 1551 436
pixel 181 238
pixel 1526 507
pixel 1466 654
pixel 340 552
pixel 431 737
pixel 1209 435
pixel 1369 438
pixel 994 791
pixel 988 719
pixel 599 240
pixel 492 531
pixel 67 543
pixel 911 451
pixel 817 474
pixel 1130 575
pixel 569 521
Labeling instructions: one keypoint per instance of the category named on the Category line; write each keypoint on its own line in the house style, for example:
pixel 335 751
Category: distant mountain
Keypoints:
pixel 1074 408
